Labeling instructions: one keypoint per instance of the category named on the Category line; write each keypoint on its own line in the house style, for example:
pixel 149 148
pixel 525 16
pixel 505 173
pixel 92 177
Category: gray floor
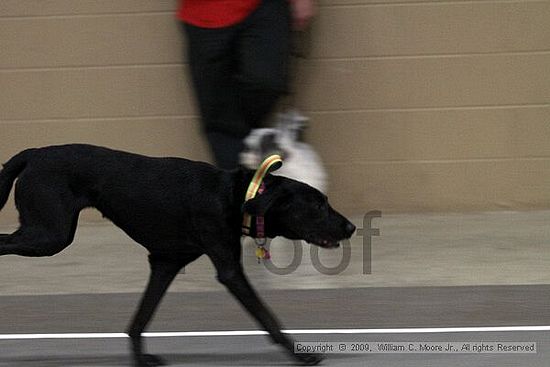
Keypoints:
pixel 428 270
pixel 500 248
pixel 256 351
pixel 298 309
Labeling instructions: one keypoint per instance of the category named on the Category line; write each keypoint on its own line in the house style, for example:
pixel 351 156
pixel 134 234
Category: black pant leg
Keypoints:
pixel 264 46
pixel 238 74
pixel 213 63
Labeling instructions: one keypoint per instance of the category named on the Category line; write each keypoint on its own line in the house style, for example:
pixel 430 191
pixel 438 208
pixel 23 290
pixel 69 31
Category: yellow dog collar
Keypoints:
pixel 273 162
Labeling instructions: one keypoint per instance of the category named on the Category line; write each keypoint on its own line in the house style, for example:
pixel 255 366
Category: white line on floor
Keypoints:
pixel 259 332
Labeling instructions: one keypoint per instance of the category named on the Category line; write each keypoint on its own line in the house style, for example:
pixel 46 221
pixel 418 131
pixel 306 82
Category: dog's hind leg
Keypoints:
pixel 3 238
pixel 48 222
pixel 230 274
pixel 38 241
pixel 34 242
pixel 163 272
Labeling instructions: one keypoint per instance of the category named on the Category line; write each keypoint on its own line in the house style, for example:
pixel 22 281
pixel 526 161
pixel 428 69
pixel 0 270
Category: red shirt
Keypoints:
pixel 215 13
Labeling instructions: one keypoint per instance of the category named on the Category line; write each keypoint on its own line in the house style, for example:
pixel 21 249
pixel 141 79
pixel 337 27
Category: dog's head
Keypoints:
pixel 299 212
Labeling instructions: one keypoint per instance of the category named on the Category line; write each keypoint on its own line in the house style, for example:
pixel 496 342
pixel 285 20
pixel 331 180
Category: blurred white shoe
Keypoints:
pixel 301 162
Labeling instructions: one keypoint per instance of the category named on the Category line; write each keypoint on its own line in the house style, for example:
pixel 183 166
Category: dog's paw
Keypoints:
pixel 149 360
pixel 309 359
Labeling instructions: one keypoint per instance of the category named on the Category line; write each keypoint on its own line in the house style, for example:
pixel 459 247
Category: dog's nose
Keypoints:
pixel 350 228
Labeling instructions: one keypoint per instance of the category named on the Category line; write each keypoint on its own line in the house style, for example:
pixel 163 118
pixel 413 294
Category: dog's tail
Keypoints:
pixel 9 173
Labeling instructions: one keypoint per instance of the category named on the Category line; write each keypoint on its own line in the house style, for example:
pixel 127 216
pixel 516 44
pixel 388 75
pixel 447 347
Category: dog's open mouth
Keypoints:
pixel 324 243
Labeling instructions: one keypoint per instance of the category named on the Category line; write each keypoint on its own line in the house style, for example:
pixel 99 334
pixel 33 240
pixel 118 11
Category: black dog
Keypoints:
pixel 176 208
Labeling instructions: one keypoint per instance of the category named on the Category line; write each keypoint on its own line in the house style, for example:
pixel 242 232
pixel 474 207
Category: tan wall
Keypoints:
pixel 416 105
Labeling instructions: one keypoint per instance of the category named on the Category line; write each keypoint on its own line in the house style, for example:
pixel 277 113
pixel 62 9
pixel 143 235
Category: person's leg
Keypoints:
pixel 239 73
pixel 226 148
pixel 213 66
pixel 264 56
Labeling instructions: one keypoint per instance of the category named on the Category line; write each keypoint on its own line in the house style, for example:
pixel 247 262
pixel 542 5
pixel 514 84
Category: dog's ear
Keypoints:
pixel 261 203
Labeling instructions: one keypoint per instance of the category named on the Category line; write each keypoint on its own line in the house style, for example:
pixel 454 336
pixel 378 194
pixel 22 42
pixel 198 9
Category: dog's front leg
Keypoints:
pixel 230 274
pixel 163 272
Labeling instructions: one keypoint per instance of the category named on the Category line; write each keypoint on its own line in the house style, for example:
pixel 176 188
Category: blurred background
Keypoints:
pixel 436 113
pixel 415 106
